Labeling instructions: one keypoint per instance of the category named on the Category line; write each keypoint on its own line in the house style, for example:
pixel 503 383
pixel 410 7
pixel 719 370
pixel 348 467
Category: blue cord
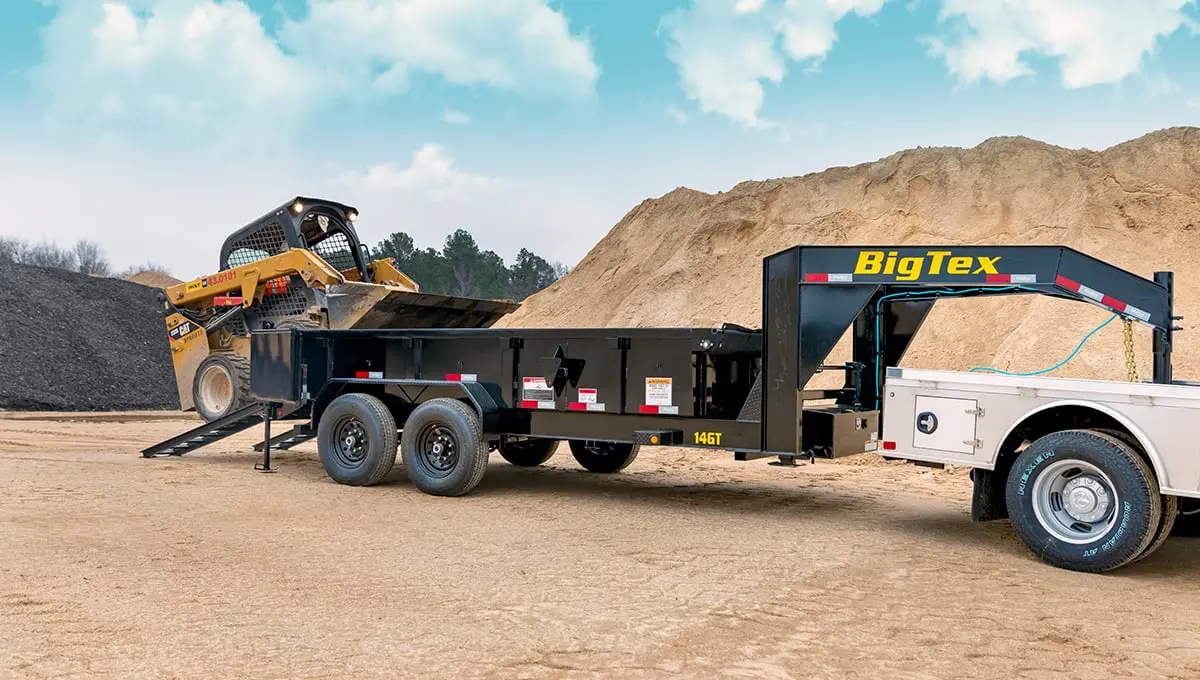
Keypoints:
pixel 923 295
pixel 1055 366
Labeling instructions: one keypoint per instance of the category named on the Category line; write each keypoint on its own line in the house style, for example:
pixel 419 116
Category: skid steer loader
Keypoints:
pixel 301 265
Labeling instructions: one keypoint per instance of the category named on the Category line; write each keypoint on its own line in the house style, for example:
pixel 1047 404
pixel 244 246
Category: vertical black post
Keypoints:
pixel 265 466
pixel 1164 338
pixel 780 424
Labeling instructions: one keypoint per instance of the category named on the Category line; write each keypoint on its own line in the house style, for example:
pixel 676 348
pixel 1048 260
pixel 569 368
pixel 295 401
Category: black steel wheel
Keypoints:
pixel 604 457
pixel 1083 500
pixel 528 452
pixel 443 448
pixel 356 440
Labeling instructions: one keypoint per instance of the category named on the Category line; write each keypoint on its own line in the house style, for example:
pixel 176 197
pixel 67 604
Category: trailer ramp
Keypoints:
pixel 238 421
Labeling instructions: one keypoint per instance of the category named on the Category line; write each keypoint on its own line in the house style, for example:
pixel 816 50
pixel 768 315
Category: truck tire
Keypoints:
pixel 221 385
pixel 1083 500
pixel 443 448
pixel 1170 504
pixel 528 452
pixel 356 440
pixel 603 457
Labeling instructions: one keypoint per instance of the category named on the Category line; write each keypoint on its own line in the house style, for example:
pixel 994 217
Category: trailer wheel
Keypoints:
pixel 443 447
pixel 1083 500
pixel 528 452
pixel 221 385
pixel 356 440
pixel 605 457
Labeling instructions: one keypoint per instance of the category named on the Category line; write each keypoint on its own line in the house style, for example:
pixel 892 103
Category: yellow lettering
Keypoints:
pixel 889 267
pixel 910 269
pixel 959 265
pixel 869 262
pixel 935 265
pixel 708 438
pixel 987 265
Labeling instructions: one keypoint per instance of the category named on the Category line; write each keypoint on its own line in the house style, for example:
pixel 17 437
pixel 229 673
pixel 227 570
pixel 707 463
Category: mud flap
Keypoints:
pixel 987 500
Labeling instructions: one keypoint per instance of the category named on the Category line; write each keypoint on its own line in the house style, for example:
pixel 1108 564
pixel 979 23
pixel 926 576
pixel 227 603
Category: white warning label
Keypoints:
pixel 587 396
pixel 658 391
pixel 536 389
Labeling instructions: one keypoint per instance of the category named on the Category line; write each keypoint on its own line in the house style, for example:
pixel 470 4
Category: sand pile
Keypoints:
pixel 154 279
pixel 695 258
pixel 73 342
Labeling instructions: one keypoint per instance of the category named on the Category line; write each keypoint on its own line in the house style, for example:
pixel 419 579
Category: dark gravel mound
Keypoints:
pixel 71 342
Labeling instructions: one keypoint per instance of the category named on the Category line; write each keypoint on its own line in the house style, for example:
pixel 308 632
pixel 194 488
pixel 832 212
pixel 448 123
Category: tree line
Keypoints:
pixel 461 268
pixel 85 257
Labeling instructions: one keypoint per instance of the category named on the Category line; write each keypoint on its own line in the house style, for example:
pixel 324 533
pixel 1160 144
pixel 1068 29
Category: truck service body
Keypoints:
pixel 1094 474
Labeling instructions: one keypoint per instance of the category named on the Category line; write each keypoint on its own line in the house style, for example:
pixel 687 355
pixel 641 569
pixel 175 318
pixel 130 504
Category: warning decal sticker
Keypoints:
pixel 587 401
pixel 536 389
pixel 658 391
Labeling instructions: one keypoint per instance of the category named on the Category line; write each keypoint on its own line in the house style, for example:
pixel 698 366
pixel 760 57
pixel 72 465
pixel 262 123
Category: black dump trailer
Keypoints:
pixel 447 397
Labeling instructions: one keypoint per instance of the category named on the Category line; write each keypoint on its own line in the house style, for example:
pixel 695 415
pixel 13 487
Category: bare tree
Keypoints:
pixel 90 258
pixel 46 254
pixel 142 268
pixel 11 249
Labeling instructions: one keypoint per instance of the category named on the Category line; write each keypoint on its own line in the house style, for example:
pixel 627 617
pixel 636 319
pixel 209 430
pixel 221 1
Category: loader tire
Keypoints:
pixel 221 385
pixel 603 457
pixel 528 452
pixel 356 440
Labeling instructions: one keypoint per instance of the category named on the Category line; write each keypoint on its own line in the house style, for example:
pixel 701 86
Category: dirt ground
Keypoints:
pixel 688 564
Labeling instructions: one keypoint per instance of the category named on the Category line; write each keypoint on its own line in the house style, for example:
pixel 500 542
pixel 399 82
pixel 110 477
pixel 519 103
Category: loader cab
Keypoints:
pixel 323 227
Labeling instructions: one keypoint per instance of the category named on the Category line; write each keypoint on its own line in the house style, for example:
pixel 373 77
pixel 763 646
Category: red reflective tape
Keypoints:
pixel 889 446
pixel 999 278
pixel 816 278
pixel 362 374
pixel 1066 283
pixel 647 409
pixel 577 406
pixel 454 376
pixel 529 403
pixel 1110 301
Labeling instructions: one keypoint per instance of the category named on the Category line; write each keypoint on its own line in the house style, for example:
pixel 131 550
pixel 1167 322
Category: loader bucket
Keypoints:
pixel 365 305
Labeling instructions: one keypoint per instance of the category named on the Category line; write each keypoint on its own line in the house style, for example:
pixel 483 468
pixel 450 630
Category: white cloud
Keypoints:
pixel 431 174
pixel 725 52
pixel 1097 41
pixel 676 114
pixel 454 117
pixel 210 68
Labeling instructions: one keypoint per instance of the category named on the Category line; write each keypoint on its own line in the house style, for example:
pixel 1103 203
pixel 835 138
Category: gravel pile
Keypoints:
pixel 71 342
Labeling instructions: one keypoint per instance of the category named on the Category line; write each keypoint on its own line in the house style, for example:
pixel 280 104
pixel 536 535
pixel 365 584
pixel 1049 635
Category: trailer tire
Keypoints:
pixel 443 447
pixel 603 457
pixel 221 385
pixel 1117 511
pixel 528 452
pixel 356 440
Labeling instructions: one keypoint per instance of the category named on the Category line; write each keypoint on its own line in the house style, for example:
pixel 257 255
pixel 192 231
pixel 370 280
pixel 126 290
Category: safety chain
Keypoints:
pixel 1130 362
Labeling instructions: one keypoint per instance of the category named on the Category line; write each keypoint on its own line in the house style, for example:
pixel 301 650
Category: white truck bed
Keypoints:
pixel 960 418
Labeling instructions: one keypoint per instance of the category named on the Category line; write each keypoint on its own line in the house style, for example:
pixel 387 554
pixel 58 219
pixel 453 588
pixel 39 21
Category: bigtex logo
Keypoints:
pixel 933 263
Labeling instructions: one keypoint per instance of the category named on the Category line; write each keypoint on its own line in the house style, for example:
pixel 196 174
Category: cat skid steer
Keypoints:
pixel 299 266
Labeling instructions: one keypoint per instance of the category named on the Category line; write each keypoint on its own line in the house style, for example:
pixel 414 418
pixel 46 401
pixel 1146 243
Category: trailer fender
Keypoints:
pixel 1152 454
pixel 404 395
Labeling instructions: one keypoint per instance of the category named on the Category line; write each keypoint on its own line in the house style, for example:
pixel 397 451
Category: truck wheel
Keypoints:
pixel 443 447
pixel 1166 523
pixel 603 457
pixel 528 452
pixel 1083 500
pixel 221 385
pixel 356 440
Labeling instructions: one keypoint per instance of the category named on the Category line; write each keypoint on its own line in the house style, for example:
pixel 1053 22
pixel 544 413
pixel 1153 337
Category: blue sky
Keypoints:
pixel 158 126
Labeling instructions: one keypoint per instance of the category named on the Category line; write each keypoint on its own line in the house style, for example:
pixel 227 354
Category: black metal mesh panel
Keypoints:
pixel 336 250
pixel 292 302
pixel 264 243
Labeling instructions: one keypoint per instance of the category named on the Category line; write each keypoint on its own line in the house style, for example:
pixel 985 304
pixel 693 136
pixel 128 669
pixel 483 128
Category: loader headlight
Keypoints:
pixel 352 215
pixel 297 207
